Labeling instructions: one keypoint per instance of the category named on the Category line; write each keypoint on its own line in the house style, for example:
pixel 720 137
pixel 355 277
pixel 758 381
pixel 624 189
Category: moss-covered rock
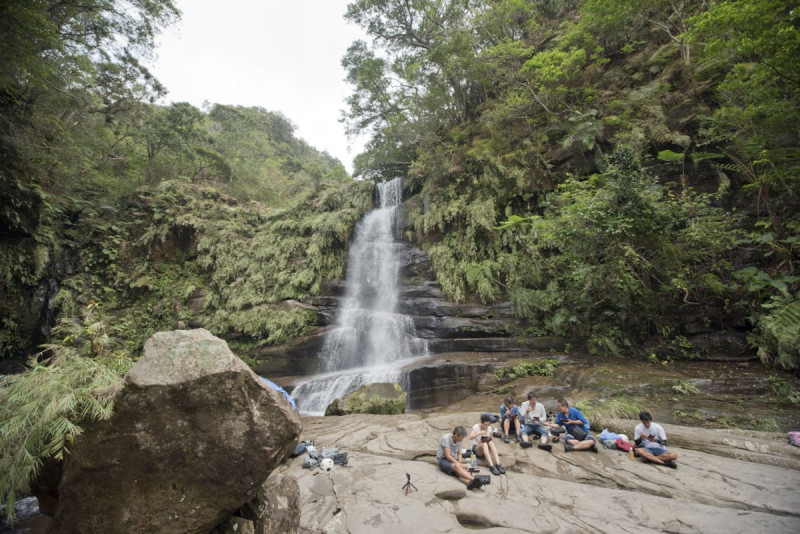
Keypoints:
pixel 383 398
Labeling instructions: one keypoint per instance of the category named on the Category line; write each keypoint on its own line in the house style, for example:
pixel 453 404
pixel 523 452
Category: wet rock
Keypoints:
pixel 194 435
pixel 296 357
pixel 443 384
pixel 730 346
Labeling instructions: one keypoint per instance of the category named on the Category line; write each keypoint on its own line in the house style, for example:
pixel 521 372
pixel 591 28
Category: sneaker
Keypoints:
pixel 506 439
pixel 501 469
pixel 671 464
pixel 546 447
pixel 567 447
pixel 593 448
pixel 556 439
pixel 495 471
pixel 475 483
pixel 525 444
pixel 519 439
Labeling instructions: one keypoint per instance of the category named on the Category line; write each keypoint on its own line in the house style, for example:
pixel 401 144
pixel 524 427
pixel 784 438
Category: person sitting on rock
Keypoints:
pixel 577 437
pixel 651 441
pixel 448 456
pixel 534 421
pixel 483 445
pixel 509 415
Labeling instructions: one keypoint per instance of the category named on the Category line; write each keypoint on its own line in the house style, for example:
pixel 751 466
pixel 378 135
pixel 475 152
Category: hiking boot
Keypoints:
pixel 525 444
pixel 475 483
pixel 546 447
pixel 671 464
pixel 519 439
pixel 501 469
pixel 593 448
pixel 506 439
pixel 567 447
pixel 495 471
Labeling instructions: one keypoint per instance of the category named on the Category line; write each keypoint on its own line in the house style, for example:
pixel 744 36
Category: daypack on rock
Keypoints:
pixel 314 457
pixel 493 417
pixel 623 445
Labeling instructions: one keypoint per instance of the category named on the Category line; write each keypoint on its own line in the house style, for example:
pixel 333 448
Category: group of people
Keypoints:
pixel 531 419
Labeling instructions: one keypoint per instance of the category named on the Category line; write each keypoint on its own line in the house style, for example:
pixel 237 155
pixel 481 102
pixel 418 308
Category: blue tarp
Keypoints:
pixel 276 387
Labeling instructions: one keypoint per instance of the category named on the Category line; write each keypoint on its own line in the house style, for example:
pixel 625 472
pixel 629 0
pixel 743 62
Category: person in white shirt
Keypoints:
pixel 534 421
pixel 483 445
pixel 651 441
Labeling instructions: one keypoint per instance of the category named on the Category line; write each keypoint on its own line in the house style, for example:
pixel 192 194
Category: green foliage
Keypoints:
pixel 778 331
pixel 544 367
pixel 616 257
pixel 685 387
pixel 71 383
pixel 784 390
pixel 614 408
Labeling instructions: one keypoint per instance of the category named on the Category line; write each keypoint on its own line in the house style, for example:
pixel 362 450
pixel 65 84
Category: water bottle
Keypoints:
pixel 475 462
pixel 630 454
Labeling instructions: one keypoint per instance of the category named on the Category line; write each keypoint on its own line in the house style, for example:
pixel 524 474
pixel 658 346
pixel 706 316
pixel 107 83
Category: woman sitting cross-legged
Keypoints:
pixel 484 447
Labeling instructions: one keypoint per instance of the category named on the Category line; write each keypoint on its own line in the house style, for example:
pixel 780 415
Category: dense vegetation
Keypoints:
pixel 121 217
pixel 611 166
pixel 111 199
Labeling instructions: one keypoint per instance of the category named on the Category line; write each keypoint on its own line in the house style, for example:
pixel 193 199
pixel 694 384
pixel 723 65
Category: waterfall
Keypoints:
pixel 370 342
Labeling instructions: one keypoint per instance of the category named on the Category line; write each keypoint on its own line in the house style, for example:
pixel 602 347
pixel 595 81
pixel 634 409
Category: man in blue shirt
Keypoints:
pixel 578 437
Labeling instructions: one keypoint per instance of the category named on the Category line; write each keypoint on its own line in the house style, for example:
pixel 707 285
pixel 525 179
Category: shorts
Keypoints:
pixel 446 466
pixel 533 428
pixel 588 436
pixel 655 451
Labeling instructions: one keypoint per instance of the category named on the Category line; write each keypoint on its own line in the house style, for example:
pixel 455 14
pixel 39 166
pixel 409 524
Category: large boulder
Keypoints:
pixel 194 436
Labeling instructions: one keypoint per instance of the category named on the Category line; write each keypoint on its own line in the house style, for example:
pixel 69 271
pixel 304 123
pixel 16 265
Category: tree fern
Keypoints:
pixel 42 409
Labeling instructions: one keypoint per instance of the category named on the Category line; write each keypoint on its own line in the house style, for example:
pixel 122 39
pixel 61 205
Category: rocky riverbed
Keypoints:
pixel 725 482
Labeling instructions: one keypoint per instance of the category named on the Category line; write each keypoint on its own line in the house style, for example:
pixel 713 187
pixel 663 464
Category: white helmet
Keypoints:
pixel 326 464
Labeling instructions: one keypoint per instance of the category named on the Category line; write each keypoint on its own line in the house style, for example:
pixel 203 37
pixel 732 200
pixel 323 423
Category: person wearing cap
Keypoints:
pixel 651 442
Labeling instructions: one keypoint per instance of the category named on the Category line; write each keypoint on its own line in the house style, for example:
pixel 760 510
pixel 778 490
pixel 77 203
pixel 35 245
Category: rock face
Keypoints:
pixel 443 383
pixel 542 491
pixel 194 436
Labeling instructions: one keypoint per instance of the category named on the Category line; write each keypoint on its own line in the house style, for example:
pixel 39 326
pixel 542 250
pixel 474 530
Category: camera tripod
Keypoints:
pixel 408 485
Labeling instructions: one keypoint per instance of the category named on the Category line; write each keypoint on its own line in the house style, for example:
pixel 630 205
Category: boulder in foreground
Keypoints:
pixel 194 436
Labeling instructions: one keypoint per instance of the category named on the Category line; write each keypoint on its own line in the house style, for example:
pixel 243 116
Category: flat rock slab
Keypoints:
pixel 565 492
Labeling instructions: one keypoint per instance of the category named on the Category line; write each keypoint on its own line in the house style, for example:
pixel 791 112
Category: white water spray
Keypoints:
pixel 370 341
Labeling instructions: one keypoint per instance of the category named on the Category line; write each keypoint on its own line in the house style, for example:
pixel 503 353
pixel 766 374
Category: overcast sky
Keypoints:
pixel 282 55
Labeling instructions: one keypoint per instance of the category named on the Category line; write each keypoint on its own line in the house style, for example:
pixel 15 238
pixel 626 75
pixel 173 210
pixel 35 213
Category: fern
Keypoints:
pixel 43 409
pixel 778 334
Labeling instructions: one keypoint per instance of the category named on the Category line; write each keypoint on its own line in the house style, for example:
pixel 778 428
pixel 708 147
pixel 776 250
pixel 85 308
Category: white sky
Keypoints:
pixel 282 55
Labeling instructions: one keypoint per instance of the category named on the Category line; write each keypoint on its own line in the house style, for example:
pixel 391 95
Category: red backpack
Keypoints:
pixel 623 445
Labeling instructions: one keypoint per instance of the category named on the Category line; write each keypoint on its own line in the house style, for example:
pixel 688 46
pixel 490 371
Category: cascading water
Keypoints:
pixel 370 342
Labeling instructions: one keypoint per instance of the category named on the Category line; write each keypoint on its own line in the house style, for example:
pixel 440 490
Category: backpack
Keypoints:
pixel 623 445
pixel 300 449
pixel 493 417
pixel 314 457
